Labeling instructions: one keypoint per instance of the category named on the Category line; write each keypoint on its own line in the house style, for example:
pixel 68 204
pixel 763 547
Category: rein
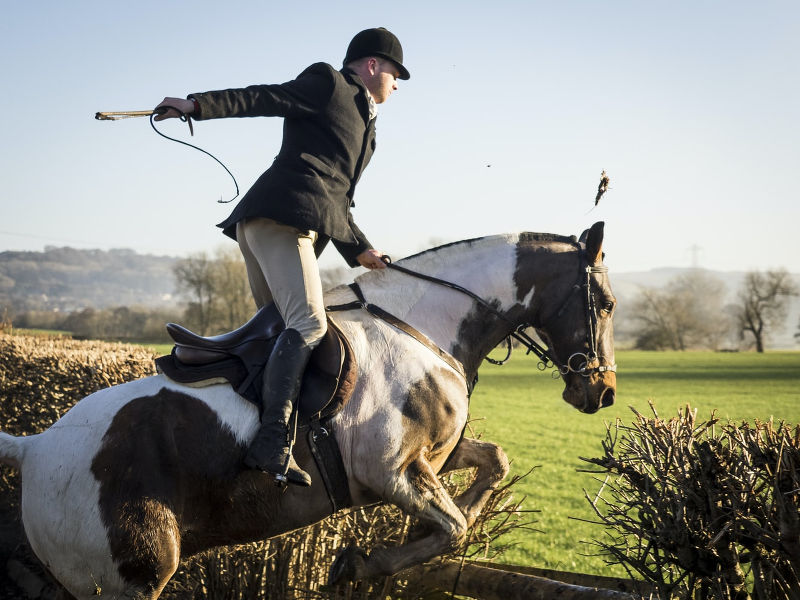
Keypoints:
pixel 518 334
pixel 546 357
pixel 128 114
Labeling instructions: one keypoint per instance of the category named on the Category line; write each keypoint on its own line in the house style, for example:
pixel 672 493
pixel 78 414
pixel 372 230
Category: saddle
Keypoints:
pixel 239 357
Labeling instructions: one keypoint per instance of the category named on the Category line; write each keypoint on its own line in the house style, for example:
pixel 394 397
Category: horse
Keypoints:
pixel 138 476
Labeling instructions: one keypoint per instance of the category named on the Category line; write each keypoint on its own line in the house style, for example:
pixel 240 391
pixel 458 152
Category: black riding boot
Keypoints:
pixel 271 448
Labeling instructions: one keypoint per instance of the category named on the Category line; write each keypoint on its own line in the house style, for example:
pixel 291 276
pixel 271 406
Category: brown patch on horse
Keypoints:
pixel 429 415
pixel 169 475
pixel 529 248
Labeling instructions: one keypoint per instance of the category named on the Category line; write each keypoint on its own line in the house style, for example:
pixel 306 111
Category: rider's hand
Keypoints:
pixel 182 104
pixel 371 259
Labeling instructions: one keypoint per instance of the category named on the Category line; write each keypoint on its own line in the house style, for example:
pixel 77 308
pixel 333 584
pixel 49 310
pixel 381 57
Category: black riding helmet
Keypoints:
pixel 377 42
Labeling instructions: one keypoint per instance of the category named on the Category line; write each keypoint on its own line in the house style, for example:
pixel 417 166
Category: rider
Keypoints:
pixel 299 204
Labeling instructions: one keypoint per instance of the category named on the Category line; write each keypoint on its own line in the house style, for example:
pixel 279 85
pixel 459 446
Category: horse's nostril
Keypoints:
pixel 607 399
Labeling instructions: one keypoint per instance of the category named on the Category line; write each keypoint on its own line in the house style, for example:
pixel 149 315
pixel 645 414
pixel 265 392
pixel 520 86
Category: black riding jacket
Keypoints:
pixel 328 140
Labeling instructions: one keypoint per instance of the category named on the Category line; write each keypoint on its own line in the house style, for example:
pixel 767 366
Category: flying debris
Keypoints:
pixel 601 189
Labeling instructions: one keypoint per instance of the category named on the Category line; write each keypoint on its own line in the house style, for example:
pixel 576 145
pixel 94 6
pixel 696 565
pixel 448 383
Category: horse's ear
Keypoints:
pixel 594 243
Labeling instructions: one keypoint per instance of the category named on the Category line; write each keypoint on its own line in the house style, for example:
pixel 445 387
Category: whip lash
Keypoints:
pixel 128 114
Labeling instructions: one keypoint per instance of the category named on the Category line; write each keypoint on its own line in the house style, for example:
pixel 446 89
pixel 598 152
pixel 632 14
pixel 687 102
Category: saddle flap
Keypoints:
pixel 265 324
pixel 321 378
pixel 327 384
pixel 198 356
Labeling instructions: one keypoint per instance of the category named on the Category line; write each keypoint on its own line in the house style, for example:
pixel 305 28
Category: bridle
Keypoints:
pixel 578 362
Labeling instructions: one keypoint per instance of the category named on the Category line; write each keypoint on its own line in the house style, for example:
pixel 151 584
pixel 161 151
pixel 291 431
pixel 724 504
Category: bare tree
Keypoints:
pixel 686 313
pixel 762 303
pixel 217 290
pixel 194 278
pixel 233 302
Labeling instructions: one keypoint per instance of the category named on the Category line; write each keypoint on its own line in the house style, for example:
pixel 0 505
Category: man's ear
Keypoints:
pixel 372 65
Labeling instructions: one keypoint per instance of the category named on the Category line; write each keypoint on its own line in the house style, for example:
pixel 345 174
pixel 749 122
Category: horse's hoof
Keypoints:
pixel 348 566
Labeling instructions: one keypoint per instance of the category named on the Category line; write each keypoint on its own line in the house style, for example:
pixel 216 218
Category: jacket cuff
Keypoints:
pixel 350 252
pixel 197 114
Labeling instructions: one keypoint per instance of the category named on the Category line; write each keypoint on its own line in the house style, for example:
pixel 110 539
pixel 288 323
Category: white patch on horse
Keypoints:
pixel 393 367
pixel 437 310
pixel 526 301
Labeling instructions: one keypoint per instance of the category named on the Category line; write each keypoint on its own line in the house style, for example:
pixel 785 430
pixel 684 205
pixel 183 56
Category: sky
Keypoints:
pixel 512 111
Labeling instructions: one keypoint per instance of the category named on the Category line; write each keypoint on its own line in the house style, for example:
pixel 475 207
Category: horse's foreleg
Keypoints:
pixel 492 467
pixel 417 491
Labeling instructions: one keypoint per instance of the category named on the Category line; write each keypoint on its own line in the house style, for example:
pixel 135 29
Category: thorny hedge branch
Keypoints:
pixel 702 509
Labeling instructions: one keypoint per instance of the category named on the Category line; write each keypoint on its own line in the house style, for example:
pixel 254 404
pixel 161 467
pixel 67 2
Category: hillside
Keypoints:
pixel 67 279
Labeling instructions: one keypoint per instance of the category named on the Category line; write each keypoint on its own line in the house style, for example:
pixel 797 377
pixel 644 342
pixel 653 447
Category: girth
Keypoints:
pixel 378 312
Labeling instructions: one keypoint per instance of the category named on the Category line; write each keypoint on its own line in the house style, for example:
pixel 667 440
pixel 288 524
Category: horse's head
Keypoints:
pixel 572 315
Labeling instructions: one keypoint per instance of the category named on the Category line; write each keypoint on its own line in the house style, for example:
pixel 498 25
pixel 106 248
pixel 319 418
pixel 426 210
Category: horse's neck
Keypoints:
pixel 485 266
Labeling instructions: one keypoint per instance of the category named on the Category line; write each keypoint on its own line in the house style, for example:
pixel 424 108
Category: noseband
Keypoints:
pixel 578 362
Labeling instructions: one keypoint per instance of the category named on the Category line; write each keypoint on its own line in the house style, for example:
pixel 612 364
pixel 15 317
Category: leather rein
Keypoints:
pixel 577 362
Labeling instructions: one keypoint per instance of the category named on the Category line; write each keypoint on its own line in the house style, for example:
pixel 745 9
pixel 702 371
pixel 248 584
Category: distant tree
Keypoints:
pixel 121 323
pixel 233 303
pixel 217 291
pixel 686 313
pixel 762 304
pixel 5 319
pixel 194 277
pixel 82 323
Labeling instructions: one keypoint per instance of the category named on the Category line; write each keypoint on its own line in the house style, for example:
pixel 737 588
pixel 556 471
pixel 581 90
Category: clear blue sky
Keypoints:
pixel 690 106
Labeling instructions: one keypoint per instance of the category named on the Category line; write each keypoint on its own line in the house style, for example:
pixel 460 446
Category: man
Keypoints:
pixel 299 204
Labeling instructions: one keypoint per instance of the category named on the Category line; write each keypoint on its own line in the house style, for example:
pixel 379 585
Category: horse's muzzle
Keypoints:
pixel 607 398
pixel 590 394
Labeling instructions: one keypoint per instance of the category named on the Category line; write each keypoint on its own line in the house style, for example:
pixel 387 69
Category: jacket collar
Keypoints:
pixel 366 104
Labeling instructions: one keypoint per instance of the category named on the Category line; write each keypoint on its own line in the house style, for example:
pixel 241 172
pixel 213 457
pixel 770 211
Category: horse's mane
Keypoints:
pixel 525 236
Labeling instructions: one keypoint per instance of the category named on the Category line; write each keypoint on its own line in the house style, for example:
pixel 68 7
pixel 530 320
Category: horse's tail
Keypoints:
pixel 11 450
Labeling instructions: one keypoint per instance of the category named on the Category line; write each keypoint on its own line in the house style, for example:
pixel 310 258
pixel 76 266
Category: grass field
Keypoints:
pixel 521 408
pixel 160 349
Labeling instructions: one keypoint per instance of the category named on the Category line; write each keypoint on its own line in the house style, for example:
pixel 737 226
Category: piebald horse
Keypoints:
pixel 137 476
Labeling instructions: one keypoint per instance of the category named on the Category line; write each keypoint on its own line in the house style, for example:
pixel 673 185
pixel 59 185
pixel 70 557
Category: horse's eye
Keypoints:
pixel 608 306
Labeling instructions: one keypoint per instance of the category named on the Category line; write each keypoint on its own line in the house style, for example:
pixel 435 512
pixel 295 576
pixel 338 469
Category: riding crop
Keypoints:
pixel 128 114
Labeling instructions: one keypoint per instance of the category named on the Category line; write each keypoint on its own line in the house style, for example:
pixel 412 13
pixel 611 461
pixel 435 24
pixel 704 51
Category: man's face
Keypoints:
pixel 382 80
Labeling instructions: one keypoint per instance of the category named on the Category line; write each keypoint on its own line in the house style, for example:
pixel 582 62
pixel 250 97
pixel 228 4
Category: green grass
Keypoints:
pixel 160 349
pixel 521 408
